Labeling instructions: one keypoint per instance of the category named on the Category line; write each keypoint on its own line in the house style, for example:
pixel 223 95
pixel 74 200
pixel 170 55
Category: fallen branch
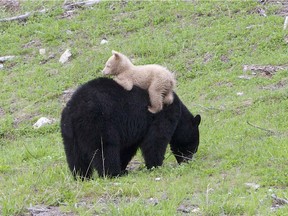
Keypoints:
pixel 264 68
pixel 260 128
pixel 279 201
pixel 6 58
pixel 71 6
pixel 22 17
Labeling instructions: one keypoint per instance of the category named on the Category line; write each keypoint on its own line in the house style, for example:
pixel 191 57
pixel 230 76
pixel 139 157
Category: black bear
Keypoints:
pixel 103 125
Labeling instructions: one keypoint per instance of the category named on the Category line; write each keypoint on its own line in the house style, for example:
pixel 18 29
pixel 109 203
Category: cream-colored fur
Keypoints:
pixel 156 79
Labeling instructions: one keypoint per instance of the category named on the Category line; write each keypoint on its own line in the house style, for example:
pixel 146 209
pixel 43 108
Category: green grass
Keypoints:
pixel 206 43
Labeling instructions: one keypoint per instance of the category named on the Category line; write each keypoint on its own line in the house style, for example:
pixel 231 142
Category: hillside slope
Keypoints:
pixel 230 60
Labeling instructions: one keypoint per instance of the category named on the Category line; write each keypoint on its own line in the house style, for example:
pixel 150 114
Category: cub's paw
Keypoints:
pixel 128 88
pixel 152 110
pixel 168 99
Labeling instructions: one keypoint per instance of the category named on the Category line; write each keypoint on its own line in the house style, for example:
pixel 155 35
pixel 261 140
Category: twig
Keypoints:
pixel 267 130
pixel 285 23
pixel 22 17
pixel 90 163
pixel 103 159
pixel 207 194
pixel 181 156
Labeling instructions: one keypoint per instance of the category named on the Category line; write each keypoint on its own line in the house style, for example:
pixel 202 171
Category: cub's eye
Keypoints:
pixel 108 66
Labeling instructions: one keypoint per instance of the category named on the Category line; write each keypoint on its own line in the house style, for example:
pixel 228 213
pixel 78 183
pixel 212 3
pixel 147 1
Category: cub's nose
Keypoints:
pixel 105 72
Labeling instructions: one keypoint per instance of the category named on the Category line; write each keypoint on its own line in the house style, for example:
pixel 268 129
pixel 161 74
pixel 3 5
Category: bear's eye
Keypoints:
pixel 108 66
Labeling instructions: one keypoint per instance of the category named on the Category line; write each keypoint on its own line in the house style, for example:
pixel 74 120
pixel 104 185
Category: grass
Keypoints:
pixel 206 43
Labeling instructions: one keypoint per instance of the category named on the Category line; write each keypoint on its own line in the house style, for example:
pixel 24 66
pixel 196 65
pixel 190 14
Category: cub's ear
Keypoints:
pixel 197 120
pixel 116 54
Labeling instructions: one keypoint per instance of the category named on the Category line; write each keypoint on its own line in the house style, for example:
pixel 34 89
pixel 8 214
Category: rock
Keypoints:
pixel 69 32
pixel 9 5
pixel 157 179
pixel 104 41
pixel 47 59
pixel 153 201
pixel 6 58
pixel 41 122
pixel 184 209
pixel 65 56
pixel 253 185
pixel 240 93
pixel 42 51
pixel 1 66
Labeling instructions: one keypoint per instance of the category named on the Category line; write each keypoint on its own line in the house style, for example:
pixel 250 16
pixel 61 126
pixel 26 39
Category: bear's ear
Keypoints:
pixel 197 120
pixel 116 54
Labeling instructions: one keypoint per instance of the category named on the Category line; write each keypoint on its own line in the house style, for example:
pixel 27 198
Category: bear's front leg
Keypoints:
pixel 153 150
pixel 125 83
pixel 158 136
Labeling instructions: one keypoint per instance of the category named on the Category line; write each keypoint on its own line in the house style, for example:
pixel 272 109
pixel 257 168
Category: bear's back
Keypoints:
pixel 104 106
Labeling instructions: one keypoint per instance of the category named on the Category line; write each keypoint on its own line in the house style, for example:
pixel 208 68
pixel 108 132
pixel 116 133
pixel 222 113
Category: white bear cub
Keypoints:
pixel 159 81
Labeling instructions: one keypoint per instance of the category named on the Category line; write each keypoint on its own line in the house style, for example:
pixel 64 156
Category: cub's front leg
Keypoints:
pixel 125 83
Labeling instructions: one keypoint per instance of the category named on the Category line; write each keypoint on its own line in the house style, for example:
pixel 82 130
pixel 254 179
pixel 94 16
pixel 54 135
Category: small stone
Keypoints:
pixel 252 185
pixel 65 56
pixel 153 201
pixel 41 122
pixel 240 93
pixel 157 179
pixel 245 77
pixel 104 41
pixel 196 210
pixel 42 51
pixel 1 66
pixel 116 183
pixel 184 209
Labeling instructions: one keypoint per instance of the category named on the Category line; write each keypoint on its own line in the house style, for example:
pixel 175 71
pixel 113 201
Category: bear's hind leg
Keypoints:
pixel 107 162
pixel 77 162
pixel 126 155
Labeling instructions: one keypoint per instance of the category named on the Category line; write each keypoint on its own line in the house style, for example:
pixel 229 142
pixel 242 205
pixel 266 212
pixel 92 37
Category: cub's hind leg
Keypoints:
pixel 168 98
pixel 156 98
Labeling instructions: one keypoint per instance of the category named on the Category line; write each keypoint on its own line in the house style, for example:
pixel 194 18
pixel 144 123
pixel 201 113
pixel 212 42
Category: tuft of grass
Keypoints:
pixel 206 43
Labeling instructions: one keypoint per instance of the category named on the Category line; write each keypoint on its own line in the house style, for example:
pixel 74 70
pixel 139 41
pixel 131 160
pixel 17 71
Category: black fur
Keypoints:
pixel 102 114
